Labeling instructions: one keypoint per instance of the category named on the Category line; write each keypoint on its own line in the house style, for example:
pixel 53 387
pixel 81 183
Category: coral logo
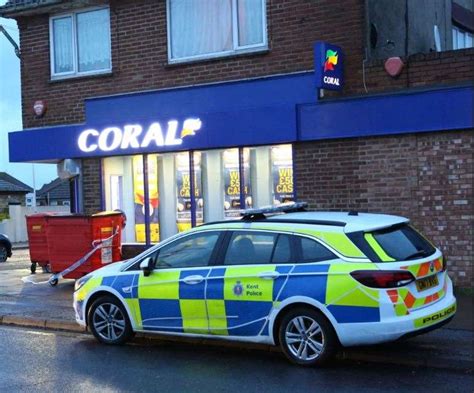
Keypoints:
pixel 135 136
pixel 331 60
pixel 329 66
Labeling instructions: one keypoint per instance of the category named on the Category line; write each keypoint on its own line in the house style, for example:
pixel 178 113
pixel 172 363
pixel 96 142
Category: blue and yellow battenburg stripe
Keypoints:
pixel 236 300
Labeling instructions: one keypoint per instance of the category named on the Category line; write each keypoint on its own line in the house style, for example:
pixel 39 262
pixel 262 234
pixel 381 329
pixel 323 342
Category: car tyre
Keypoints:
pixel 3 253
pixel 306 337
pixel 108 321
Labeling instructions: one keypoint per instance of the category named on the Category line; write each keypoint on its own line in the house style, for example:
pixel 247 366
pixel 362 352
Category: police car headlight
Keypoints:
pixel 81 282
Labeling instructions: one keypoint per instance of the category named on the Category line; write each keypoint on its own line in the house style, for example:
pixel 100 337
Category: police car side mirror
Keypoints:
pixel 147 266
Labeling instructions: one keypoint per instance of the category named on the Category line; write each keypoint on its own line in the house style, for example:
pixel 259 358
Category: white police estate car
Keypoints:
pixel 307 281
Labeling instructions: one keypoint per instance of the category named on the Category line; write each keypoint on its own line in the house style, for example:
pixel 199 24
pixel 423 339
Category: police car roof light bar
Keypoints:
pixel 261 213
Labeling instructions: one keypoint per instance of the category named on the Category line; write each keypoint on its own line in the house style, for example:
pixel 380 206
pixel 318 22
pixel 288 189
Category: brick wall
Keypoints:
pixel 139 53
pixel 91 186
pixel 426 177
pixel 139 56
pixel 420 70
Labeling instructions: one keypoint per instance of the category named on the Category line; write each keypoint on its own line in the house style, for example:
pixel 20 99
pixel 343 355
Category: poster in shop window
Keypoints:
pixel 232 183
pixel 282 168
pixel 183 181
pixel 139 198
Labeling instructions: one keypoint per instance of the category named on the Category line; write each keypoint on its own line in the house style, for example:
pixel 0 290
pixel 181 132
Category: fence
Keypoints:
pixel 15 226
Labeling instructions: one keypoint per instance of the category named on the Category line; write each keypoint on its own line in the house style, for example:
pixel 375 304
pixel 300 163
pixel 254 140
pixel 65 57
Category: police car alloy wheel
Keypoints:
pixel 108 321
pixel 306 337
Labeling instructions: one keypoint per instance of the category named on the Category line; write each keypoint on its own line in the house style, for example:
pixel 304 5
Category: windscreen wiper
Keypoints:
pixel 419 253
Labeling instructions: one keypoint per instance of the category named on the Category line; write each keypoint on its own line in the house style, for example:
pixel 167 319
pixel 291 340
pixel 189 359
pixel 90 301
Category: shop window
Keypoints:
pixel 461 39
pixel 141 210
pixel 236 162
pixel 80 43
pixel 124 189
pixel 282 174
pixel 219 185
pixel 183 184
pixel 215 28
pixel 116 188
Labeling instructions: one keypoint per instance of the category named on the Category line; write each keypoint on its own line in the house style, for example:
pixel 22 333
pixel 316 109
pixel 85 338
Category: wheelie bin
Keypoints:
pixel 71 237
pixel 37 240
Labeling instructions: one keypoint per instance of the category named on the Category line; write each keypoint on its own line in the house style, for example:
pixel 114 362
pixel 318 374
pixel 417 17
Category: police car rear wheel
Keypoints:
pixel 108 321
pixel 306 337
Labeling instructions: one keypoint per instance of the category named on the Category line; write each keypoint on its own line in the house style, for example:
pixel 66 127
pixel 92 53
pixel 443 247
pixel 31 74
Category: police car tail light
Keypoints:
pixel 383 279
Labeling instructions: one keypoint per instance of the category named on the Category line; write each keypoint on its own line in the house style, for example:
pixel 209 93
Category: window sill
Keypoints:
pixel 218 57
pixel 57 79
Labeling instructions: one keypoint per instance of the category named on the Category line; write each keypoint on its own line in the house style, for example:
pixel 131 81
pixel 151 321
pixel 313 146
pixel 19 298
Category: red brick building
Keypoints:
pixel 399 144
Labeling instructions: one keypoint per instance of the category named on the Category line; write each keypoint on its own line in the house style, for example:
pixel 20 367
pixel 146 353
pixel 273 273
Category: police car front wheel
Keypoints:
pixel 306 337
pixel 108 321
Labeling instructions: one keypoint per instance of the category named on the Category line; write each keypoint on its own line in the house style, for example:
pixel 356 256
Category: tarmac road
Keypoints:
pixel 39 361
pixel 42 306
pixel 34 301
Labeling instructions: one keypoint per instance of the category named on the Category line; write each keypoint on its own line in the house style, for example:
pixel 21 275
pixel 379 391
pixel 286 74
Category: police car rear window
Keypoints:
pixel 403 242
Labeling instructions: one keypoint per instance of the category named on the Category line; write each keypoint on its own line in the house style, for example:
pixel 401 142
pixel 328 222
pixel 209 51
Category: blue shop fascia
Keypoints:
pixel 175 158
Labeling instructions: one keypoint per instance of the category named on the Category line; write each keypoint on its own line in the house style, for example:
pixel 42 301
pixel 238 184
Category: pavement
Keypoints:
pixel 24 303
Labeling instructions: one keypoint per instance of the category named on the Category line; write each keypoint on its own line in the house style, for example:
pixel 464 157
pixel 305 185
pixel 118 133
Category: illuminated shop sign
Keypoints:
pixel 328 66
pixel 134 136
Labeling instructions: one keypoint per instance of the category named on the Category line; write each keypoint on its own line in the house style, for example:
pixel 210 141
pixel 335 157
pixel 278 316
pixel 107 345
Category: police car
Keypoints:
pixel 307 281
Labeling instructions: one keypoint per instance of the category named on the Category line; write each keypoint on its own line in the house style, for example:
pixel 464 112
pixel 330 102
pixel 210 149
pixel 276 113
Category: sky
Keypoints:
pixel 10 112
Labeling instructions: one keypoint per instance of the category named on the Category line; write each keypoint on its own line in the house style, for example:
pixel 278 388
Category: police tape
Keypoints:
pixel 96 244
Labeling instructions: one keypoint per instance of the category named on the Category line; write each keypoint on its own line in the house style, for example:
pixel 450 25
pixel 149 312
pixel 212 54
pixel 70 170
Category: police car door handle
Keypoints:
pixel 269 275
pixel 192 280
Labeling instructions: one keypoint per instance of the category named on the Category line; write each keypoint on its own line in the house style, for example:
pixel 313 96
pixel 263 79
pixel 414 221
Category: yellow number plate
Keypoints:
pixel 427 283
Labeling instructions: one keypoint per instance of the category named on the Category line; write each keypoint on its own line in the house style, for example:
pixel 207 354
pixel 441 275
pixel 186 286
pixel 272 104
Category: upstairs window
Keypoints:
pixel 80 43
pixel 215 28
pixel 461 38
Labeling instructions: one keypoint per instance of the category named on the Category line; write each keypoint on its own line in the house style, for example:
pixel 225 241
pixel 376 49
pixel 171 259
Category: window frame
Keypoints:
pixel 237 50
pixel 456 31
pixel 75 73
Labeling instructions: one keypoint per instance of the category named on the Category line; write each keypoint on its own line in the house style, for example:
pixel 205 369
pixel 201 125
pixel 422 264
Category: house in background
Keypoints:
pixel 178 122
pixel 55 193
pixel 12 192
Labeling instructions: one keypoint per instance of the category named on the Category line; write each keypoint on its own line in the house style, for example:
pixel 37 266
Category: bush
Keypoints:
pixel 4 214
